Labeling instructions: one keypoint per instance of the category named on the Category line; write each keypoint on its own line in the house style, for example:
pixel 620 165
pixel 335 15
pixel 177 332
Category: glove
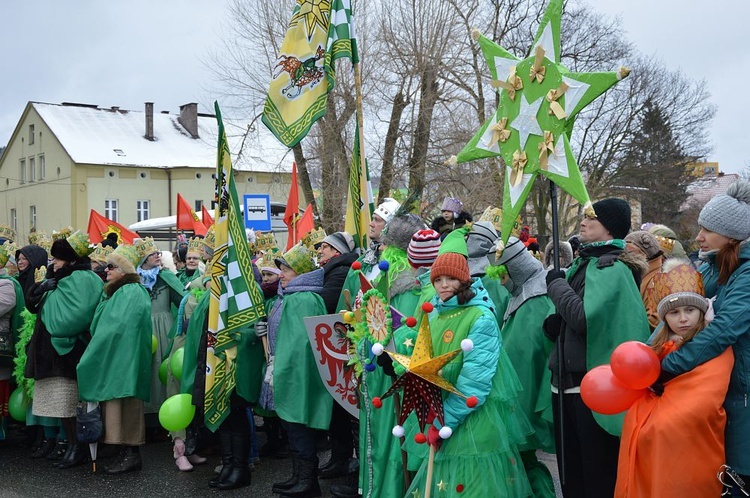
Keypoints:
pixel 268 378
pixel 554 275
pixel 552 326
pixel 433 437
pixel 385 362
pixel 261 328
pixel 47 285
pixel 657 388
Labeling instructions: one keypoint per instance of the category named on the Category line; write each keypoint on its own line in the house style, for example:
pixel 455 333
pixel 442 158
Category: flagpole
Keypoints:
pixel 361 135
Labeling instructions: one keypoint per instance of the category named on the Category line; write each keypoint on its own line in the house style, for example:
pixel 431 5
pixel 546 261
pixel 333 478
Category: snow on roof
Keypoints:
pixel 93 135
pixel 702 190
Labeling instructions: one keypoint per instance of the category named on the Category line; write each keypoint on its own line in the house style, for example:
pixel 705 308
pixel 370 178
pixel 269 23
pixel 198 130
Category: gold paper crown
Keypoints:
pixel 40 274
pixel 210 238
pixel 195 245
pixel 130 253
pixel 7 232
pixel 265 241
pixel 100 253
pixel 680 278
pixel 64 233
pixel 316 236
pixel 80 243
pixel 145 247
pixel 6 250
pixel 665 243
pixel 493 215
pixel 35 237
pixel 267 261
pixel 44 241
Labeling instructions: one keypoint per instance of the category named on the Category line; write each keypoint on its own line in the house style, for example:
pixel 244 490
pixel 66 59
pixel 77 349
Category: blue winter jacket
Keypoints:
pixel 730 327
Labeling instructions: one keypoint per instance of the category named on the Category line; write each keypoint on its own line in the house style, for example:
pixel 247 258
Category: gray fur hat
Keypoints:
pixel 729 214
pixel 646 242
pixel 566 254
pixel 398 231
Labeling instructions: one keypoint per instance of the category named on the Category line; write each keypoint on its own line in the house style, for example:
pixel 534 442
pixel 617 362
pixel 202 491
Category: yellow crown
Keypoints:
pixel 195 245
pixel 63 233
pixel 35 237
pixel 44 241
pixel 265 241
pixel 145 247
pixel 100 253
pixel 6 250
pixel 210 238
pixel 316 236
pixel 128 253
pixel 40 274
pixel 7 232
pixel 493 215
pixel 80 243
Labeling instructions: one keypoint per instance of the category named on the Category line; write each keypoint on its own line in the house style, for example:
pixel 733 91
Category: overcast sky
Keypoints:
pixel 125 53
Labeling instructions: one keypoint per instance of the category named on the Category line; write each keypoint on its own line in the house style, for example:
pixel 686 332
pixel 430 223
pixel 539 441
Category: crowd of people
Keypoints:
pixel 105 324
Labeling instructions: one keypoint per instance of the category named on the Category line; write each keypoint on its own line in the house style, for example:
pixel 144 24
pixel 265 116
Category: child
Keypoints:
pixel 480 458
pixel 673 444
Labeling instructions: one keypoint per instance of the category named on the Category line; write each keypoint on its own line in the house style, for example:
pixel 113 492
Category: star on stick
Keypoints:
pixel 539 100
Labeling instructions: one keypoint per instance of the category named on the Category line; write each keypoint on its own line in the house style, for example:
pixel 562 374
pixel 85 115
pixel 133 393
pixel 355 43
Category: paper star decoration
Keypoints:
pixel 539 99
pixel 442 485
pixel 422 384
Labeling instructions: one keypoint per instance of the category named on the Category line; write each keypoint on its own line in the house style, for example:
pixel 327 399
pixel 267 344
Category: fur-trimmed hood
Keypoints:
pixel 128 278
pixel 637 264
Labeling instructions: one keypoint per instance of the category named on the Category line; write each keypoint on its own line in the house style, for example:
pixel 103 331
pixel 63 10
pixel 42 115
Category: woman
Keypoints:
pixel 11 304
pixel 481 457
pixel 29 259
pixel 724 227
pixel 115 369
pixel 644 244
pixel 64 304
pixel 193 262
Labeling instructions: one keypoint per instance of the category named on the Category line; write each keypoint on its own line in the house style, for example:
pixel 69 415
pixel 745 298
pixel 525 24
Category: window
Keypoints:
pixel 42 168
pixel 142 210
pixel 31 134
pixel 32 169
pixel 32 215
pixel 13 219
pixel 198 205
pixel 110 209
pixel 22 173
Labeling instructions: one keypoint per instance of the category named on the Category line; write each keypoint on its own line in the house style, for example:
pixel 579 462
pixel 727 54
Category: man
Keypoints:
pixel 335 255
pixel 598 306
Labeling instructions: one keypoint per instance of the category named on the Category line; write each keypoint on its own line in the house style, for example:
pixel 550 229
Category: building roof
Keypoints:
pixel 702 190
pixel 113 136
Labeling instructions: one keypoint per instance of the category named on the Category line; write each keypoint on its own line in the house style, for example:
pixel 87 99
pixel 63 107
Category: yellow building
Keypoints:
pixel 63 160
pixel 701 169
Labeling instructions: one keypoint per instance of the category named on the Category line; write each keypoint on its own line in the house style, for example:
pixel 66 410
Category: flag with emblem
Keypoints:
pixel 100 226
pixel 187 218
pixel 319 33
pixel 236 299
pixel 359 205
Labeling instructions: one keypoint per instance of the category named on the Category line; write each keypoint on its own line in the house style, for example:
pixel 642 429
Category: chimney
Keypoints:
pixel 189 118
pixel 149 121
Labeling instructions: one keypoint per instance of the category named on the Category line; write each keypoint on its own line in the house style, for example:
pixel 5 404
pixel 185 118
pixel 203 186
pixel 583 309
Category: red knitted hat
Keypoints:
pixel 423 248
pixel 450 264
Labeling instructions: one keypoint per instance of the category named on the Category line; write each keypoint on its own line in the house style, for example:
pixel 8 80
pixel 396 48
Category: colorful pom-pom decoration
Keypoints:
pixel 472 401
pixel 377 402
pixel 460 488
pixel 370 367
pixel 427 307
pixel 411 321
pixel 398 368
pixel 445 432
pixel 420 438
pixel 398 430
pixel 384 265
pixel 377 349
pixel 357 265
pixel 467 345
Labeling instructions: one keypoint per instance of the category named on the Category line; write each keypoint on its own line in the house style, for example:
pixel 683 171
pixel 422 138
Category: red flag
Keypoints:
pixel 207 220
pixel 187 219
pixel 306 223
pixel 291 213
pixel 99 227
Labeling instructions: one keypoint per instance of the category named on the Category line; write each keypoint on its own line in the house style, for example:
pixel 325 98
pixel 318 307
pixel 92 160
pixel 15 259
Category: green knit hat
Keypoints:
pixel 455 242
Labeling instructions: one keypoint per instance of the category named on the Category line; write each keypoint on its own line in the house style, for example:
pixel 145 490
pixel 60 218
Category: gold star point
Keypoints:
pixel 442 485
pixel 314 13
pixel 409 343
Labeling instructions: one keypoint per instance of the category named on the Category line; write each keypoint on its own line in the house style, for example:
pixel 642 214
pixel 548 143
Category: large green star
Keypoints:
pixel 539 99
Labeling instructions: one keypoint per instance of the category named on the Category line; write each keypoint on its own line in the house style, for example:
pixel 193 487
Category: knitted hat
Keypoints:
pixel 452 204
pixel 341 241
pixel 679 285
pixel 729 214
pixel 614 214
pixel 512 249
pixel 646 242
pixel 387 209
pixel 670 246
pixel 452 258
pixel 299 258
pixel 398 231
pixel 423 248
pixel 125 257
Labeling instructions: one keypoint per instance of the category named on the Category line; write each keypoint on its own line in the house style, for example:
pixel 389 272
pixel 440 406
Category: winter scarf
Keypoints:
pixel 307 282
pixel 148 277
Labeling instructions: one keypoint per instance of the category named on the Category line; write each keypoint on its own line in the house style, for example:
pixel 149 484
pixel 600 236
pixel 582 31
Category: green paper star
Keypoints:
pixel 539 99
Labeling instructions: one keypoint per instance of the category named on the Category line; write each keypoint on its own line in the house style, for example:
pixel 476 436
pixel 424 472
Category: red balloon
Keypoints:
pixel 635 364
pixel 603 393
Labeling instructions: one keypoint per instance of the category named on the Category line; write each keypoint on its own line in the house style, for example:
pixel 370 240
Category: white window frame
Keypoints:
pixel 31 134
pixel 111 208
pixel 14 219
pixel 32 215
pixel 142 209
pixel 32 169
pixel 42 167
pixel 22 172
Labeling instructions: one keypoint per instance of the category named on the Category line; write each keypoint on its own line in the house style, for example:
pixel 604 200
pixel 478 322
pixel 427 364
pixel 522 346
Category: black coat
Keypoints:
pixel 334 275
pixel 37 258
pixel 444 227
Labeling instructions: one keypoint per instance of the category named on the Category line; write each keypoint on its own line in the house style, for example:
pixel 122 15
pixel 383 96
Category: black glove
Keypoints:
pixel 386 363
pixel 552 326
pixel 657 388
pixel 554 275
pixel 47 285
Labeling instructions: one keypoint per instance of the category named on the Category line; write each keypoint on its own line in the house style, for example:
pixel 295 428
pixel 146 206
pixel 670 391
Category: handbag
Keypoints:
pixel 89 426
pixel 7 345
pixel 729 478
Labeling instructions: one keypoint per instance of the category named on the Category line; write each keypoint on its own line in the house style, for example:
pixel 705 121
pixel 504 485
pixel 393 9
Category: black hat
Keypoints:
pixel 614 214
pixel 63 251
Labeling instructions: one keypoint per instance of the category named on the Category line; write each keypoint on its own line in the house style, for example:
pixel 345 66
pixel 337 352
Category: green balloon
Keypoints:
pixel 175 363
pixel 163 368
pixel 17 405
pixel 177 412
pixel 154 344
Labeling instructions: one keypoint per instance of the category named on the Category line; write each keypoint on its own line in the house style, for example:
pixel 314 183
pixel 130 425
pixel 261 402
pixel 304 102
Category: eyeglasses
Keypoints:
pixel 111 267
pixel 157 253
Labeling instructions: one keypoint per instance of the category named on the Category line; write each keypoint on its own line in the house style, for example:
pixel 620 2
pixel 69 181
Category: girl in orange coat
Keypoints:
pixel 672 444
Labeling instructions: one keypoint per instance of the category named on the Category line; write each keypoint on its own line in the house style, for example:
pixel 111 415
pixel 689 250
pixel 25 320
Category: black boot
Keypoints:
pixel 281 487
pixel 225 446
pixel 277 445
pixel 337 466
pixel 307 486
pixel 44 449
pixel 77 455
pixel 240 474
pixel 59 451
pixel 350 487
pixel 130 460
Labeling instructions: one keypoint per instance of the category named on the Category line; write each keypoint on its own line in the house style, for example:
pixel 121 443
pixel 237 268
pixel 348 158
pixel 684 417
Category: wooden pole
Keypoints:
pixel 430 469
